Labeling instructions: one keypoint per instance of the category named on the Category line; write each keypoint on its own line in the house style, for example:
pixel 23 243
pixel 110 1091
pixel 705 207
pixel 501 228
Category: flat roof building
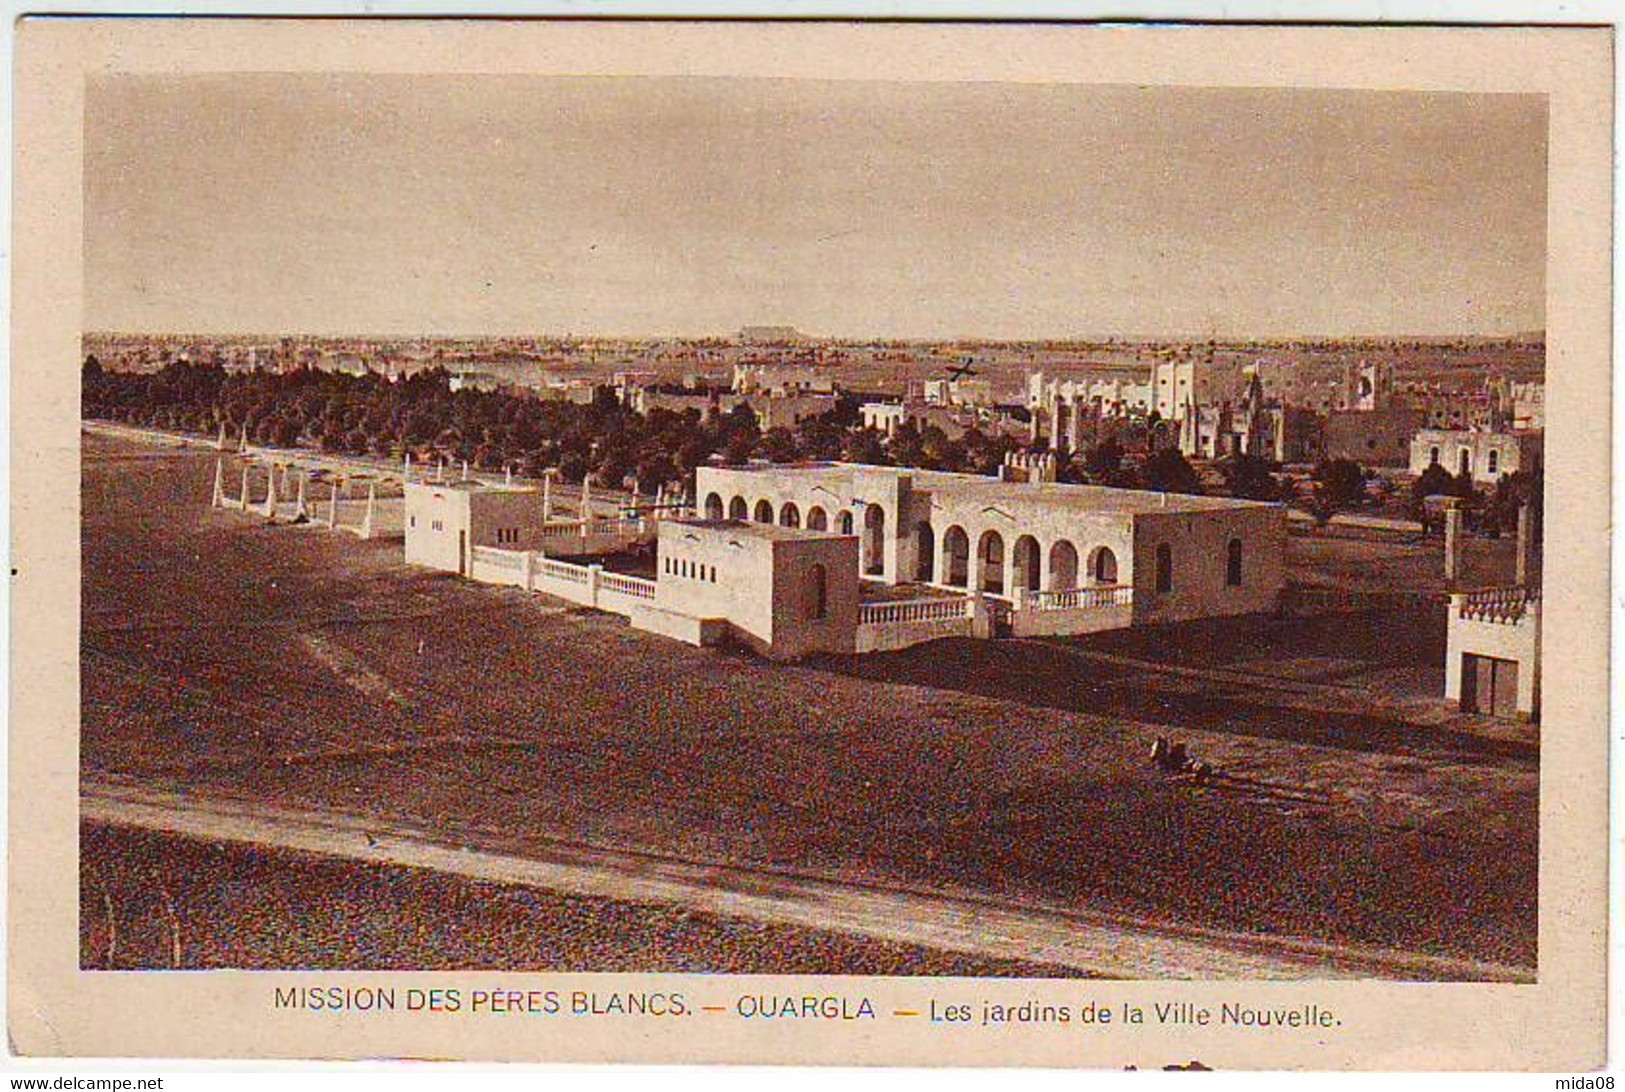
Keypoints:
pixel 1482 455
pixel 785 592
pixel 445 521
pixel 1492 662
pixel 1177 556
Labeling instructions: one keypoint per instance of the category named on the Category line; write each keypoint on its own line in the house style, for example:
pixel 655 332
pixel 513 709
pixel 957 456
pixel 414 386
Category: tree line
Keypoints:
pixel 369 414
pixel 420 415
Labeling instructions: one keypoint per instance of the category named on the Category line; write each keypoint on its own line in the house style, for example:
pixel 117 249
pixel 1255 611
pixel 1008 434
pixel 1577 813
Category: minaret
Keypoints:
pixel 1253 416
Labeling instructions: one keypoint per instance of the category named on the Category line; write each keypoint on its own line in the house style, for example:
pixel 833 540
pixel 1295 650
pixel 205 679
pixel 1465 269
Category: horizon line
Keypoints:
pixel 1141 339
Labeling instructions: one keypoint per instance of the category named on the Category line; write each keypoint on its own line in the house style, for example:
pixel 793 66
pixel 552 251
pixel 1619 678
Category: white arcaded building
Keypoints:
pixel 1031 545
pixel 791 560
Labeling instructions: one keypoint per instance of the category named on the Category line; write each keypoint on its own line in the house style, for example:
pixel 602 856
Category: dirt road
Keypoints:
pixel 1083 942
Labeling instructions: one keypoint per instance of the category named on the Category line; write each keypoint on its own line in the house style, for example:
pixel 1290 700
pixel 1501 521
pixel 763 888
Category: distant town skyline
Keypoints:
pixel 432 206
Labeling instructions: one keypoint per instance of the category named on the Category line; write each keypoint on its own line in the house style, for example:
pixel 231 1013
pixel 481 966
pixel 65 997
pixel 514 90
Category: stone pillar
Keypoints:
pixel 242 498
pixel 1526 536
pixel 507 475
pixel 269 511
pixel 406 473
pixel 1452 540
pixel 299 510
pixel 595 574
pixel 547 495
pixel 220 444
pixel 219 500
pixel 372 501
pixel 333 507
pixel 586 501
pixel 981 619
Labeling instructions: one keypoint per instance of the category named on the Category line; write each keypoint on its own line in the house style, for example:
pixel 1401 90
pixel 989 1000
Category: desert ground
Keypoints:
pixel 1358 826
pixel 156 900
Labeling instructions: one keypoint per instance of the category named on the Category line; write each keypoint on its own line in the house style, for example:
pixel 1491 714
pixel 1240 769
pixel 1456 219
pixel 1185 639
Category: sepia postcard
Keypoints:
pixel 826 543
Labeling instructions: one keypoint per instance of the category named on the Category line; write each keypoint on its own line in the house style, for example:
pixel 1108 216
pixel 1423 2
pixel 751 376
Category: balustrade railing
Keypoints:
pixel 1502 606
pixel 909 611
pixel 634 586
pixel 561 570
pixel 580 529
pixel 1106 595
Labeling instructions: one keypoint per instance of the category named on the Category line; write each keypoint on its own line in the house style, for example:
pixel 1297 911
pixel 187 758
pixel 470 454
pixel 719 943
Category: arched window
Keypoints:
pixel 737 508
pixel 874 540
pixel 845 523
pixel 764 512
pixel 815 592
pixel 990 552
pixel 790 515
pixel 1433 456
pixel 1165 568
pixel 956 557
pixel 1494 461
pixel 713 506
pixel 1103 566
pixel 1232 563
pixel 1063 566
pixel 925 552
pixel 816 519
pixel 1024 561
pixel 1464 461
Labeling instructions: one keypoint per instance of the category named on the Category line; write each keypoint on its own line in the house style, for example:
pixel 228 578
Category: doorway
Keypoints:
pixel 1489 685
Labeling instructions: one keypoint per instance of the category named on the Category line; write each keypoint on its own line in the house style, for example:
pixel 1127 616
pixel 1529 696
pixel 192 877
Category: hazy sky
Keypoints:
pixel 477 204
